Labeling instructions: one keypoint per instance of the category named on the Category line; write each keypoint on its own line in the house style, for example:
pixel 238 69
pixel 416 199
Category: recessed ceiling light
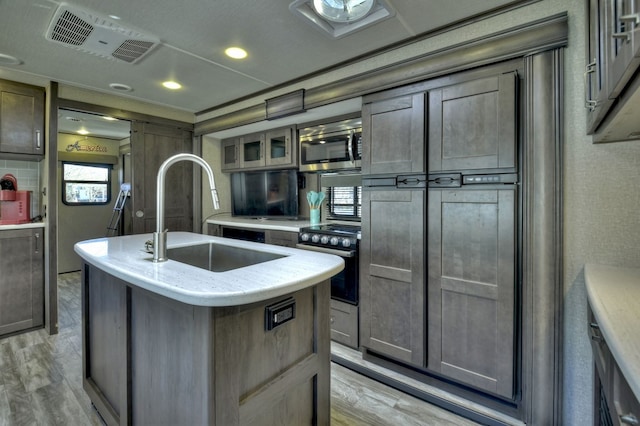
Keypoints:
pixel 9 60
pixel 121 87
pixel 83 132
pixel 106 117
pixel 173 85
pixel 236 52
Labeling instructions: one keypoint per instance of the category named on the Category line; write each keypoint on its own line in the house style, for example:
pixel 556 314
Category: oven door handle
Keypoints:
pixel 341 253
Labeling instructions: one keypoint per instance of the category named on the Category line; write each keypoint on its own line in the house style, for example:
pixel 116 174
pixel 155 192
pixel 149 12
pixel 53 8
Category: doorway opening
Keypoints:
pixel 90 173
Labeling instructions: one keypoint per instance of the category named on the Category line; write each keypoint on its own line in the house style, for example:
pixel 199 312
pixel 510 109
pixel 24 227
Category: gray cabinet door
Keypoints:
pixel 392 304
pixel 21 280
pixel 151 145
pixel 252 150
pixel 21 118
pixel 471 287
pixel 622 34
pixel 393 135
pixel 230 154
pixel 596 91
pixel 472 125
pixel 280 147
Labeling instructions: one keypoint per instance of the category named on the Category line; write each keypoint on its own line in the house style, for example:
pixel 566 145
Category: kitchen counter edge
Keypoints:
pixel 22 226
pixel 261 224
pixel 124 258
pixel 614 297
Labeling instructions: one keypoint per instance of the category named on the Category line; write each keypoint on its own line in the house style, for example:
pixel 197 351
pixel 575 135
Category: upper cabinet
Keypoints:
pixel 613 57
pixel 271 149
pixel 230 154
pixel 252 151
pixel 394 131
pixel 279 147
pixel 21 120
pixel 472 125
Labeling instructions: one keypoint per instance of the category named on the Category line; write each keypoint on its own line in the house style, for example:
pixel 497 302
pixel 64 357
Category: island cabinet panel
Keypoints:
pixel 104 362
pixel 176 363
pixel 21 280
pixel 471 287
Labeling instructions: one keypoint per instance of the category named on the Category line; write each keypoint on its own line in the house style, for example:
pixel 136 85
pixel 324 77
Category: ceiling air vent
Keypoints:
pixel 99 35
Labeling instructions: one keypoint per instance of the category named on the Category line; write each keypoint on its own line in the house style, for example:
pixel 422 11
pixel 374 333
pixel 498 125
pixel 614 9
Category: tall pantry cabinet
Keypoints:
pixel 392 303
pixel 438 261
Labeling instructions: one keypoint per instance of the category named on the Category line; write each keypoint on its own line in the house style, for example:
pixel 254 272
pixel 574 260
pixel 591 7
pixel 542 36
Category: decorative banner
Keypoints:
pixel 85 148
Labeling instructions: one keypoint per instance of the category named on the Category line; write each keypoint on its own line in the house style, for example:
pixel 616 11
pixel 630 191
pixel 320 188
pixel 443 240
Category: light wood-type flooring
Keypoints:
pixel 41 381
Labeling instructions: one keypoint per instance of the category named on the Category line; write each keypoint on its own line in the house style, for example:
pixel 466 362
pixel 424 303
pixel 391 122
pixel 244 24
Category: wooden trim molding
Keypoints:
pixel 545 34
pixel 51 247
pixel 542 240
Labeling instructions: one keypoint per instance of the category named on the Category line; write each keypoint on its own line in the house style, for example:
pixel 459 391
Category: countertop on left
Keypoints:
pixel 125 258
pixel 22 226
pixel 614 297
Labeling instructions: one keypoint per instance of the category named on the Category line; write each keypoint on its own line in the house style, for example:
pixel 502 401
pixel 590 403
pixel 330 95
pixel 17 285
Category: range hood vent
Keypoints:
pixel 99 35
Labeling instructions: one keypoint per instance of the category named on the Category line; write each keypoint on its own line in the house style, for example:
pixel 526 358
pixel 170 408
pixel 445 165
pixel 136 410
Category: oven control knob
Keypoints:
pixel 304 237
pixel 315 238
pixel 346 243
pixel 334 241
pixel 324 239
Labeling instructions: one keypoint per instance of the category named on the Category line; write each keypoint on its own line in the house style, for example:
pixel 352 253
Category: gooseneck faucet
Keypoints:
pixel 160 236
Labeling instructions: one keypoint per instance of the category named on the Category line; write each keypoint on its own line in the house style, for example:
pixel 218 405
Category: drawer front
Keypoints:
pixel 281 238
pixel 344 323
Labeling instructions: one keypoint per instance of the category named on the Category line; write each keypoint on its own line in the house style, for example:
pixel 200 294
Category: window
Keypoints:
pixel 345 202
pixel 86 184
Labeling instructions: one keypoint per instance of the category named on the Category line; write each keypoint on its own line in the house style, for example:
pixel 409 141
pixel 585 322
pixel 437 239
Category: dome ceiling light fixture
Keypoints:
pixel 338 18
pixel 343 10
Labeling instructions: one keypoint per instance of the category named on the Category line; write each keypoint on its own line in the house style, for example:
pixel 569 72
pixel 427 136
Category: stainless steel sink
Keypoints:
pixel 218 257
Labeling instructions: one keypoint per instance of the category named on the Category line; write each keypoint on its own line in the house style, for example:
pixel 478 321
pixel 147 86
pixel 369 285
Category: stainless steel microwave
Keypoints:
pixel 332 146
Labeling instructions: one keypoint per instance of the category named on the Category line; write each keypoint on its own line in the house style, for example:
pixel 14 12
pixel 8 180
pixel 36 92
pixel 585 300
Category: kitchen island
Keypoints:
pixel 174 343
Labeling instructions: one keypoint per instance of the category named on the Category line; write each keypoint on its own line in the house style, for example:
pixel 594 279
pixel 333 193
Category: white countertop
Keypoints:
pixel 22 226
pixel 614 297
pixel 270 224
pixel 125 258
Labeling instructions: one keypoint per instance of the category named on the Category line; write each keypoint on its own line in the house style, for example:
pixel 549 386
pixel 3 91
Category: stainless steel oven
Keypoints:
pixel 332 146
pixel 341 240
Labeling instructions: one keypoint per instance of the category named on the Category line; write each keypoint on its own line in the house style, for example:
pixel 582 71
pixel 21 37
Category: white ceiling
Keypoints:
pixel 193 35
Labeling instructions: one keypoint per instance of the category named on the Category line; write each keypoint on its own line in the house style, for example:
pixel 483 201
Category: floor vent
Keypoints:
pixel 99 35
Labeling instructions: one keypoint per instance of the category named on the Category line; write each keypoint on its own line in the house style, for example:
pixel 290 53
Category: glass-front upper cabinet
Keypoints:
pixel 273 149
pixel 252 150
pixel 279 147
pixel 230 154
pixel 623 35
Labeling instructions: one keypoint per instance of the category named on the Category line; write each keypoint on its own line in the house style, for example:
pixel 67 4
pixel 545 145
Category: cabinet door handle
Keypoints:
pixel 629 419
pixel 632 18
pixel 592 332
pixel 589 103
pixel 36 236
pixel 38 143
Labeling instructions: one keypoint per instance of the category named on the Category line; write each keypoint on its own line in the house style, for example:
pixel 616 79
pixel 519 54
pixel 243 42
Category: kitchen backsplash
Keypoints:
pixel 27 174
